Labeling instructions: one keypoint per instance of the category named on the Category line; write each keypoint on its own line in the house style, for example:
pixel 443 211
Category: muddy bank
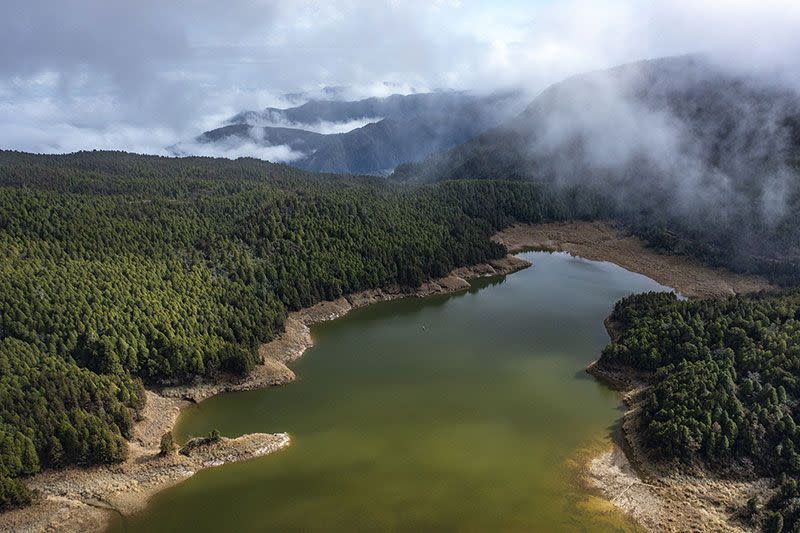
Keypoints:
pixel 87 499
pixel 658 495
pixel 602 241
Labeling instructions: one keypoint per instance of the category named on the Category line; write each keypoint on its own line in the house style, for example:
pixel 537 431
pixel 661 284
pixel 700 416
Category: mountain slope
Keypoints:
pixel 394 130
pixel 694 157
pixel 394 106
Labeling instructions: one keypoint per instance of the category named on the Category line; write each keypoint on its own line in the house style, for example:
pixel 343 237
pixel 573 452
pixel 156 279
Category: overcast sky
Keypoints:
pixel 141 75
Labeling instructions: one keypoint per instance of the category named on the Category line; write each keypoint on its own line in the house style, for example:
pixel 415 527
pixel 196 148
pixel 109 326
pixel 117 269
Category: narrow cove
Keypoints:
pixel 463 412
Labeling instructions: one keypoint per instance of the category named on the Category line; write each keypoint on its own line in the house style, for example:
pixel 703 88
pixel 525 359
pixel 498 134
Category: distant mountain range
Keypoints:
pixel 371 136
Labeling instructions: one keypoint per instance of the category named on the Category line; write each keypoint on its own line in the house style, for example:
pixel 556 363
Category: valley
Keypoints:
pixel 449 412
pixel 443 266
pixel 79 499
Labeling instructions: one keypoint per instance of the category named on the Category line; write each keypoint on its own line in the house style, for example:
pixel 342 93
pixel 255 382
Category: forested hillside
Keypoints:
pixel 695 158
pixel 118 270
pixel 725 385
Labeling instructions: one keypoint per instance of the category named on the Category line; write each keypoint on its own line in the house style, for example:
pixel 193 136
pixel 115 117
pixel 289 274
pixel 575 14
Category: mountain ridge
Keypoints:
pixel 398 129
pixel 683 148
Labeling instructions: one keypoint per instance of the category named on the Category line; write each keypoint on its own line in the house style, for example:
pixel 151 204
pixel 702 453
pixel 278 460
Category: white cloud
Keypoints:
pixel 324 127
pixel 233 148
pixel 275 154
pixel 93 66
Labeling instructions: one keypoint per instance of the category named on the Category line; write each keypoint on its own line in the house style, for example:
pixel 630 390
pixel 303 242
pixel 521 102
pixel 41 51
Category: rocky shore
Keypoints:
pixel 87 499
pixel 659 495
pixel 78 499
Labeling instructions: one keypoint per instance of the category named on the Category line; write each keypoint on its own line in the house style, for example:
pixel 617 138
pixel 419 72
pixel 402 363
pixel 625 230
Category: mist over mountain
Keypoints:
pixel 370 136
pixel 692 154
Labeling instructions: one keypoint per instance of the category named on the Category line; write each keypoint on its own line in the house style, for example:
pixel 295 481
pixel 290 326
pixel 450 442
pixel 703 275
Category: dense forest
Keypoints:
pixel 725 385
pixel 119 271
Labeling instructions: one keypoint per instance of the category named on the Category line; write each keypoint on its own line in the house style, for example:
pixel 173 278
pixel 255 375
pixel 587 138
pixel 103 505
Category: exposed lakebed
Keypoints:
pixel 466 412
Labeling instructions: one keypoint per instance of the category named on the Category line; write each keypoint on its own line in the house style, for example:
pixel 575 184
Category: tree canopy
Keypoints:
pixel 726 382
pixel 118 270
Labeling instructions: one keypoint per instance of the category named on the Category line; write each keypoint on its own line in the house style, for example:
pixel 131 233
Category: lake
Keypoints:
pixel 466 412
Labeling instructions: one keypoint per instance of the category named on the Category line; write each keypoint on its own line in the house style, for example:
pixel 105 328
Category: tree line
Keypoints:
pixel 725 385
pixel 119 271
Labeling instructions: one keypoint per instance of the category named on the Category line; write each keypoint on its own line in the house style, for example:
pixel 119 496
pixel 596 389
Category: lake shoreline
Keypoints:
pixel 661 496
pixel 64 502
pixel 657 497
pixel 89 499
pixel 606 241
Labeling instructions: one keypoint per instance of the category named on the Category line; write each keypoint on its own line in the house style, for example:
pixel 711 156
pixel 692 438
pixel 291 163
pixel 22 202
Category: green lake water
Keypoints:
pixel 466 412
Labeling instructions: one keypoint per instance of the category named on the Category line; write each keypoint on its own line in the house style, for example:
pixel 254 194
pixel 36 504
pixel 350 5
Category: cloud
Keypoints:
pixel 89 67
pixel 276 154
pixel 322 126
pixel 232 148
pixel 683 139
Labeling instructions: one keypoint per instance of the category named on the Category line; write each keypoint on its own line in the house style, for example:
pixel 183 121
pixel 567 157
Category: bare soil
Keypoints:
pixel 603 241
pixel 660 495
